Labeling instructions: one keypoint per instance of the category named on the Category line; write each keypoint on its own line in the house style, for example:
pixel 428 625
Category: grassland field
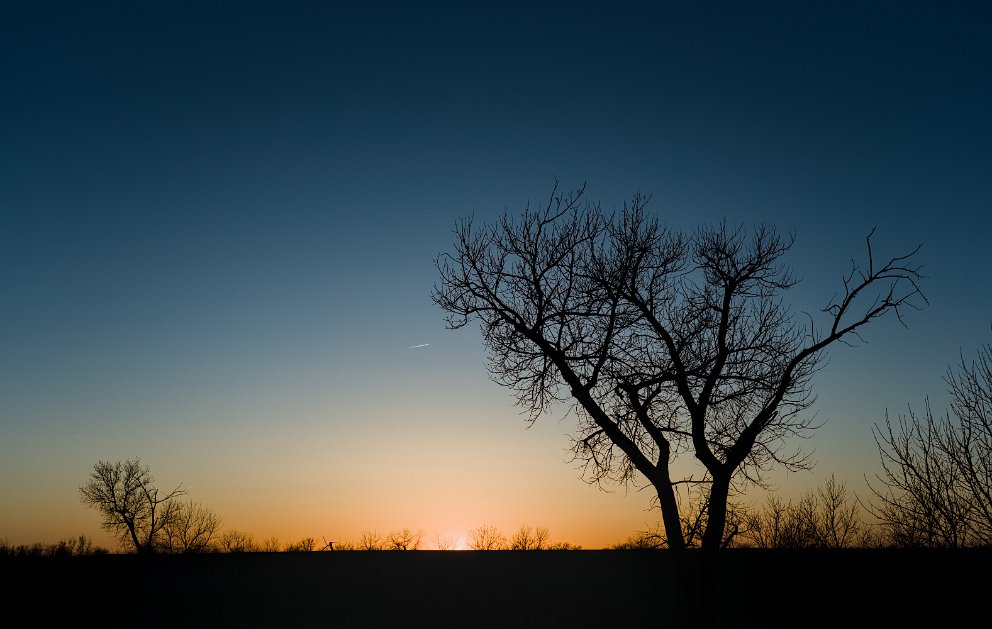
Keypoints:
pixel 503 589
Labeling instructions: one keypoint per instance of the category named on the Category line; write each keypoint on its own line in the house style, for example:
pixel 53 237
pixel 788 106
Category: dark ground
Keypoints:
pixel 574 589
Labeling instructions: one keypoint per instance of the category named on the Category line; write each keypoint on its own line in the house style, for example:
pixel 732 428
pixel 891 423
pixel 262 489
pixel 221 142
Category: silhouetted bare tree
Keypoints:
pixel 838 517
pixel 132 507
pixel 80 545
pixel 305 544
pixel 443 542
pixel 828 518
pixel 486 537
pixel 192 529
pixel 237 541
pixel 651 539
pixel 528 538
pixel 935 489
pixel 562 545
pixel 666 343
pixel 404 539
pixel 370 540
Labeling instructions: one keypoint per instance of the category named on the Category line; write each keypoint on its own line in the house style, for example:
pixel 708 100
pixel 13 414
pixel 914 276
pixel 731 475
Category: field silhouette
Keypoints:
pixel 575 589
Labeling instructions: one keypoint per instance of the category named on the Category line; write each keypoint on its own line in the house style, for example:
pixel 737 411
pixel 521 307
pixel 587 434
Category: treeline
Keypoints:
pixel 240 541
pixel 934 491
pixel 147 520
pixel 829 517
pixel 484 537
pixel 67 547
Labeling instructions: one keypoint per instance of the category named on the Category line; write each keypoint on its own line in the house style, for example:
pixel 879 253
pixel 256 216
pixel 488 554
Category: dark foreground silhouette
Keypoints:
pixel 574 589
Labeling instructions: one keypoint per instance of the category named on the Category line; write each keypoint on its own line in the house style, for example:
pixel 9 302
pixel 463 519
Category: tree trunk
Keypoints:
pixel 670 514
pixel 716 512
pixel 134 537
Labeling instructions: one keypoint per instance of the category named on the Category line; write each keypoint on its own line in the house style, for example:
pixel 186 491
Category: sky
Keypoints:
pixel 219 221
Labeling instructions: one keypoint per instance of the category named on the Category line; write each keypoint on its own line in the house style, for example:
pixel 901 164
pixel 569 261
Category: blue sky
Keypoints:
pixel 218 222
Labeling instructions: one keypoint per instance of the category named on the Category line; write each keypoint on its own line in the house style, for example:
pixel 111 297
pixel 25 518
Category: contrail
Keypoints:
pixel 421 345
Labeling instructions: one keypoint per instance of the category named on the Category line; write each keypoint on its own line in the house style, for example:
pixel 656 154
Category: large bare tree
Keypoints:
pixel 132 507
pixel 666 343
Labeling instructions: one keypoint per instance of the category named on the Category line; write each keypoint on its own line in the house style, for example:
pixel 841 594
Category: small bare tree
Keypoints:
pixel 238 541
pixel 828 518
pixel 527 538
pixel 193 529
pixel 839 521
pixel 443 542
pixel 404 539
pixel 80 545
pixel 132 507
pixel 563 545
pixel 666 343
pixel 305 544
pixel 486 537
pixel 772 526
pixel 370 540
pixel 649 539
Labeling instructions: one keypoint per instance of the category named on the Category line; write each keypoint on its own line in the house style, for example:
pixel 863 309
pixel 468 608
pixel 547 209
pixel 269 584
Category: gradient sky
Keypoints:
pixel 218 222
